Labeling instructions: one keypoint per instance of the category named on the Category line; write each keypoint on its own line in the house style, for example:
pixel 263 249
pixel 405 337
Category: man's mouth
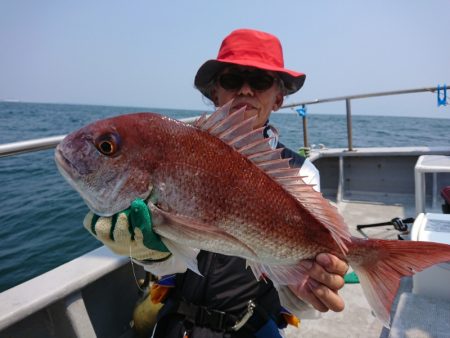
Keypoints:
pixel 240 105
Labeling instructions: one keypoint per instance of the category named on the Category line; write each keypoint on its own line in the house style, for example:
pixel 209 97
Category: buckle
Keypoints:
pixel 241 322
pixel 218 319
pixel 214 319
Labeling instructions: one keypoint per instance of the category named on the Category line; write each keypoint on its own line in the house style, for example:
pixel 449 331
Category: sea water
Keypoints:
pixel 41 215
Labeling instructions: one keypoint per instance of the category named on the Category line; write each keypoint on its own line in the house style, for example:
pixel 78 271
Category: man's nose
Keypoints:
pixel 245 89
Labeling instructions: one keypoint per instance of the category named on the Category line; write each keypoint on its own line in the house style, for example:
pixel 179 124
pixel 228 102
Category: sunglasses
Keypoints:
pixel 256 80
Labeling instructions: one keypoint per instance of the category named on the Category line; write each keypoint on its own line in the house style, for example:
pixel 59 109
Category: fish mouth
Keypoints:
pixel 66 168
pixel 72 177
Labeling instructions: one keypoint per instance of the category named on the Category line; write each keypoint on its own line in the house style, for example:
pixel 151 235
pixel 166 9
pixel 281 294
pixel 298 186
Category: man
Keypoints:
pixel 227 300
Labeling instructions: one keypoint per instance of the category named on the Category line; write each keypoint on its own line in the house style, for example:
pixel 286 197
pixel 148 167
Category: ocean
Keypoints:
pixel 41 216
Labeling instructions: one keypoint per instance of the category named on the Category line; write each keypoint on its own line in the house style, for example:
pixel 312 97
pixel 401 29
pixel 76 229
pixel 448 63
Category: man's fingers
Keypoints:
pixel 327 297
pixel 306 293
pixel 108 231
pixel 89 222
pixel 332 264
pixel 103 228
pixel 331 280
pixel 325 279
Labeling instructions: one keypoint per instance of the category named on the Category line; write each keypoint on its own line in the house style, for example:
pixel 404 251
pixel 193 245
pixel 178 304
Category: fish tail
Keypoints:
pixel 380 265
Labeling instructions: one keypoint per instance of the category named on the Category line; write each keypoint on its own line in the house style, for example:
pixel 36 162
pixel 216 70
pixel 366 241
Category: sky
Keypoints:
pixel 146 53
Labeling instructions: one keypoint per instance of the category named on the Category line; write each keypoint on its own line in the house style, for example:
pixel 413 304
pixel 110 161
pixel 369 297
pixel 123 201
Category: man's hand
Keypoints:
pixel 128 233
pixel 326 278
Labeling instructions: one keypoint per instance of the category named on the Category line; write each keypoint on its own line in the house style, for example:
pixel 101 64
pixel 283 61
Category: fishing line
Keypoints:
pixel 134 272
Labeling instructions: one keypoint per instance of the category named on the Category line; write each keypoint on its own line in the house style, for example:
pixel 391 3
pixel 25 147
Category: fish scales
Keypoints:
pixel 223 188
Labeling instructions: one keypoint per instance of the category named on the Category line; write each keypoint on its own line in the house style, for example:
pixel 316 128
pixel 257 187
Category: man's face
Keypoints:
pixel 256 89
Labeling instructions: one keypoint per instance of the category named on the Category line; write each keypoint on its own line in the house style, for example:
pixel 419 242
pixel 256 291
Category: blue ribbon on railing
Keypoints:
pixel 301 111
pixel 442 95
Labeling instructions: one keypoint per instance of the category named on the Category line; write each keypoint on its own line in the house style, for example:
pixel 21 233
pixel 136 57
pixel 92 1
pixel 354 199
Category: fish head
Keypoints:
pixel 105 162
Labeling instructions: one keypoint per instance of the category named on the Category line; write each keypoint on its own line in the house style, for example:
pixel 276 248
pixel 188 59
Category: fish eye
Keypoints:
pixel 108 144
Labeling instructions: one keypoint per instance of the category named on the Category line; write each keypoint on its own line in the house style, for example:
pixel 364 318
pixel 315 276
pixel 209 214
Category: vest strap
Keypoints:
pixel 252 318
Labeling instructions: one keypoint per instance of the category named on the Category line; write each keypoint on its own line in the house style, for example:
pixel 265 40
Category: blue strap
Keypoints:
pixel 268 330
pixel 442 95
pixel 301 111
pixel 168 280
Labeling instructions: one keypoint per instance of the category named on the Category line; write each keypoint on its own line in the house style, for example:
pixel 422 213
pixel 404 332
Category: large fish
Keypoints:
pixel 218 185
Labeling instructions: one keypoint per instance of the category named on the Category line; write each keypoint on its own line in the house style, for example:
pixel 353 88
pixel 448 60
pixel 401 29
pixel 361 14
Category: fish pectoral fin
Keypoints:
pixel 293 274
pixel 183 253
pixel 184 228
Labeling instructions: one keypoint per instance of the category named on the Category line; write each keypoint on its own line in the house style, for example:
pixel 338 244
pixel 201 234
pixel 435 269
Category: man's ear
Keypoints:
pixel 278 101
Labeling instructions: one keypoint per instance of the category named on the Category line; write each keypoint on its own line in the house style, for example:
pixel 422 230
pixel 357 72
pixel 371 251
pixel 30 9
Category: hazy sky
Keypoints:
pixel 146 53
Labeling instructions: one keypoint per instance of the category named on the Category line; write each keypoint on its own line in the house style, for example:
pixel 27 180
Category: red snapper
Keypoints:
pixel 218 186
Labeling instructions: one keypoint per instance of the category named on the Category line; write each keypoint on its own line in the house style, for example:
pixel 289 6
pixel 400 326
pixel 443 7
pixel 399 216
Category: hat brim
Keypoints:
pixel 293 81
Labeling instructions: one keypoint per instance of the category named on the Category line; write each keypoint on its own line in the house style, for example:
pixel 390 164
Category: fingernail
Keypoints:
pixel 323 259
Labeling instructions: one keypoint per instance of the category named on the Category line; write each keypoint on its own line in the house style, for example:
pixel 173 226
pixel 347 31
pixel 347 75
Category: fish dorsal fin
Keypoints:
pixel 237 131
pixel 205 123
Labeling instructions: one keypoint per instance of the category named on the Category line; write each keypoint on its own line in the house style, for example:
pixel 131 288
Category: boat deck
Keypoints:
pixel 357 319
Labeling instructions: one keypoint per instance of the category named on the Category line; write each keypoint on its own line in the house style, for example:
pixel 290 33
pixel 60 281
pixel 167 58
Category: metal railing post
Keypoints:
pixel 305 132
pixel 349 124
pixel 340 188
pixel 360 96
pixel 305 128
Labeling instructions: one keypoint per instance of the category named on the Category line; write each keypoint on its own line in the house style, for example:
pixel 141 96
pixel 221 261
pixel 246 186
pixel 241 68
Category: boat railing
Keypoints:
pixel 348 99
pixel 15 148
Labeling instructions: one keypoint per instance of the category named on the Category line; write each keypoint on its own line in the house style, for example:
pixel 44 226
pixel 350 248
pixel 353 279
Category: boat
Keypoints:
pixel 95 294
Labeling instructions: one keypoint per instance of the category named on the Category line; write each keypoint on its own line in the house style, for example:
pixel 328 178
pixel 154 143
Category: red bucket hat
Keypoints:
pixel 248 47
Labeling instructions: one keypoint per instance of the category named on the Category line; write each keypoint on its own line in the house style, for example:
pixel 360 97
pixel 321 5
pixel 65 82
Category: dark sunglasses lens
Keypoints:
pixel 231 81
pixel 260 81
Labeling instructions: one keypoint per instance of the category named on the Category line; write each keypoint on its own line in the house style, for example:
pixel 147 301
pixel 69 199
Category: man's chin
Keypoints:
pixel 236 108
pixel 251 112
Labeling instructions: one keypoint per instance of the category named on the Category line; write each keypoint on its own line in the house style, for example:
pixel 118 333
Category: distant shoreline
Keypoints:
pixel 11 100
